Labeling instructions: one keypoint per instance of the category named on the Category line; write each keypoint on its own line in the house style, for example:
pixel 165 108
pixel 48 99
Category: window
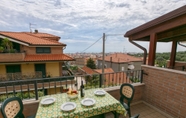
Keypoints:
pixel 13 68
pixel 43 50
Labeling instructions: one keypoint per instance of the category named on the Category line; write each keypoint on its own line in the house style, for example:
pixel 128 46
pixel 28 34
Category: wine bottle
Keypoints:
pixel 82 89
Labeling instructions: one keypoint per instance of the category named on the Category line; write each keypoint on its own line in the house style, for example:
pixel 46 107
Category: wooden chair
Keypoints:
pixel 126 95
pixel 12 108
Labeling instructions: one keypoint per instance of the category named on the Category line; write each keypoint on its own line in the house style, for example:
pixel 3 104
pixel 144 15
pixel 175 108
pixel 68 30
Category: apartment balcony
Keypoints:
pixel 12 57
pixel 161 94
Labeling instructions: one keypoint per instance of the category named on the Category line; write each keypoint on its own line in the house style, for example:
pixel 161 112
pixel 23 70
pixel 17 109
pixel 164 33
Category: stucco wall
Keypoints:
pixel 27 68
pixel 165 89
pixel 2 70
pixel 53 69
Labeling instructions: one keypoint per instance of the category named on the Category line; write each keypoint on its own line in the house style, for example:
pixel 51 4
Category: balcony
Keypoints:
pixel 12 57
pixel 161 94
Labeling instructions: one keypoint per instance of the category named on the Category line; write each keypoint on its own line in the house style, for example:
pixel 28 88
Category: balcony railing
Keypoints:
pixel 34 88
pixel 7 57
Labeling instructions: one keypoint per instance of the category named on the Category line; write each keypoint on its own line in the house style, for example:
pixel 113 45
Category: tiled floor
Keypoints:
pixel 144 111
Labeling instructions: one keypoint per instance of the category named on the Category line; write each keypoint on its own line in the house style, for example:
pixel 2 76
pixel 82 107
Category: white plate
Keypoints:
pixel 88 102
pixel 68 106
pixel 99 92
pixel 47 101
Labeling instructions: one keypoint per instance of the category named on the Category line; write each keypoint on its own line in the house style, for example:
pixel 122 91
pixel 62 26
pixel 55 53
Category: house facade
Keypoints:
pixel 120 62
pixel 30 55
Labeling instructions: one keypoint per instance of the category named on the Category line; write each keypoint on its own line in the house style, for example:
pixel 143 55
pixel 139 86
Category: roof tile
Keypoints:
pixel 32 38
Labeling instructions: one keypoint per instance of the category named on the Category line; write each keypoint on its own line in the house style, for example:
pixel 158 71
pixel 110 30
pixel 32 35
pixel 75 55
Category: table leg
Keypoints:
pixel 116 115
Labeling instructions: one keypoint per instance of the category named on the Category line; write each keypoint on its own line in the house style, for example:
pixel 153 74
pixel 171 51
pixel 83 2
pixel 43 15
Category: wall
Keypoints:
pixel 2 70
pixel 56 50
pixel 32 50
pixel 7 57
pixel 53 69
pixel 165 89
pixel 27 68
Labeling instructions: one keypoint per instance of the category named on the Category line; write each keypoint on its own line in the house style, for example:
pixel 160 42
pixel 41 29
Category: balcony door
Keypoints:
pixel 41 68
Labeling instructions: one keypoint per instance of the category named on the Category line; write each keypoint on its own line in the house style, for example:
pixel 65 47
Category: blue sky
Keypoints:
pixel 80 23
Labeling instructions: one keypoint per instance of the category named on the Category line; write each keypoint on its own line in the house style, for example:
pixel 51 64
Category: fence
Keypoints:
pixel 35 88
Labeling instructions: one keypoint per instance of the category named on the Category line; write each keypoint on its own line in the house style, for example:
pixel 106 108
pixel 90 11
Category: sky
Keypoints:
pixel 81 23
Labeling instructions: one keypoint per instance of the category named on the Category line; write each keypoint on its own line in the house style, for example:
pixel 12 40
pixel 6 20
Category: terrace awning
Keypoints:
pixel 170 27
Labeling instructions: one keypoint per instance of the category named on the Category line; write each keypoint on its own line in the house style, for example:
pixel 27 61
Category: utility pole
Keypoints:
pixel 103 59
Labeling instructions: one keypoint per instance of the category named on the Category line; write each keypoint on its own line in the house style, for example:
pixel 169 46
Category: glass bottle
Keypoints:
pixel 82 89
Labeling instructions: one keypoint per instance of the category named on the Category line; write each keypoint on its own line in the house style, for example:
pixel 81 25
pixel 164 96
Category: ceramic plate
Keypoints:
pixel 88 102
pixel 68 106
pixel 47 101
pixel 99 92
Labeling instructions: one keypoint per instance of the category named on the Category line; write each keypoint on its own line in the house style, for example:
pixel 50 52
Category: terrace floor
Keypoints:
pixel 144 111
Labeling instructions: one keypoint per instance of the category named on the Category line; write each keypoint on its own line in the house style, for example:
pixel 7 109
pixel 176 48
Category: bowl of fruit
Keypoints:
pixel 72 94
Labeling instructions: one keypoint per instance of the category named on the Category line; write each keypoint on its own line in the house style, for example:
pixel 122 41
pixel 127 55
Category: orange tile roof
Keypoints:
pixel 106 70
pixel 48 57
pixel 42 35
pixel 32 38
pixel 120 58
pixel 88 70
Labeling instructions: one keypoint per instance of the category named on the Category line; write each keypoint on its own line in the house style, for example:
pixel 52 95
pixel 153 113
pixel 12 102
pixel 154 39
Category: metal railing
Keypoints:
pixel 35 88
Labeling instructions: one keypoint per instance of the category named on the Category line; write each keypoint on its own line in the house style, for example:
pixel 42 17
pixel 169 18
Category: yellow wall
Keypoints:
pixel 2 70
pixel 27 68
pixel 53 69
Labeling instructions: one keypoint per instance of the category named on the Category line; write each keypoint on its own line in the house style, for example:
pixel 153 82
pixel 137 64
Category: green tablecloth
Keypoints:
pixel 103 104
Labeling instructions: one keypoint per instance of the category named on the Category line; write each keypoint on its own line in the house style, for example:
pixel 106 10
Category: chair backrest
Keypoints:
pixel 12 108
pixel 126 92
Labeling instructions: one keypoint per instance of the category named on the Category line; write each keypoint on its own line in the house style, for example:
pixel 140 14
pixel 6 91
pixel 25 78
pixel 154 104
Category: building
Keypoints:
pixel 120 62
pixel 27 55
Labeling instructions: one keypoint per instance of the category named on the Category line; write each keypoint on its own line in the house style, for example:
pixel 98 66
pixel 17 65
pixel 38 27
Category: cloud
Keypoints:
pixel 82 22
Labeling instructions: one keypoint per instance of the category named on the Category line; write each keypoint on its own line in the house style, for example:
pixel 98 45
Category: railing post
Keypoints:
pixel 183 68
pixel 100 80
pixel 141 76
pixel 36 92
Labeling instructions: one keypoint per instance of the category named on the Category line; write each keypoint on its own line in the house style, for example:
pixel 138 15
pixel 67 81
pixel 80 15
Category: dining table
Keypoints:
pixel 102 104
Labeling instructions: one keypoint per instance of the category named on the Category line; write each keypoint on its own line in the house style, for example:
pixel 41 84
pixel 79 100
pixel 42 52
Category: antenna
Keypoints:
pixel 31 26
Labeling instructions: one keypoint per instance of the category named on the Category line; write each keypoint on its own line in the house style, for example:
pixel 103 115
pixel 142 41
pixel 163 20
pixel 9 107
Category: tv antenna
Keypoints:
pixel 31 26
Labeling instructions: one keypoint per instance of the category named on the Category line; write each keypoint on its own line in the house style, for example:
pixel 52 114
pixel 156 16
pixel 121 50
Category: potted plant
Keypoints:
pixel 1 49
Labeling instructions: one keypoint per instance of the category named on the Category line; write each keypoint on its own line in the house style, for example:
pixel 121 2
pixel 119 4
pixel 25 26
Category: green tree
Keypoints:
pixel 91 64
pixel 7 44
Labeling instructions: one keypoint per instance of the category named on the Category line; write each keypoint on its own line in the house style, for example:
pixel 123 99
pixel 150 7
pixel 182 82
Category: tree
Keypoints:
pixel 91 64
pixel 7 45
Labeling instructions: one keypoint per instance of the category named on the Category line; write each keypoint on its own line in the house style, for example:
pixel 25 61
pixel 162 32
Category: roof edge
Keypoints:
pixel 170 15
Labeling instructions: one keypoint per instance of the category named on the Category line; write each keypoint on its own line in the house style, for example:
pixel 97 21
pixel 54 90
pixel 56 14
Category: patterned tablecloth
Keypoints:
pixel 103 104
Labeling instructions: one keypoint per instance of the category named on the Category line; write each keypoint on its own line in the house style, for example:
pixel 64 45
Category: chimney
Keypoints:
pixel 36 31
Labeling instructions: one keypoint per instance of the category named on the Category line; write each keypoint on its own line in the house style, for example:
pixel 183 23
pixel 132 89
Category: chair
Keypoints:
pixel 126 94
pixel 135 116
pixel 12 108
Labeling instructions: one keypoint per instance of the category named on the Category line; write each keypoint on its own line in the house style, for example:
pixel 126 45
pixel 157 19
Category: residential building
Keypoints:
pixel 32 55
pixel 83 60
pixel 120 62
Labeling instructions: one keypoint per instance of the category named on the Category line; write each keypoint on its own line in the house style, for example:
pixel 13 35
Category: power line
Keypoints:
pixel 114 34
pixel 101 38
pixel 92 44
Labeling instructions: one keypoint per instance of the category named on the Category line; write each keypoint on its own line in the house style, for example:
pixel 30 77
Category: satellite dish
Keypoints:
pixel 130 67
